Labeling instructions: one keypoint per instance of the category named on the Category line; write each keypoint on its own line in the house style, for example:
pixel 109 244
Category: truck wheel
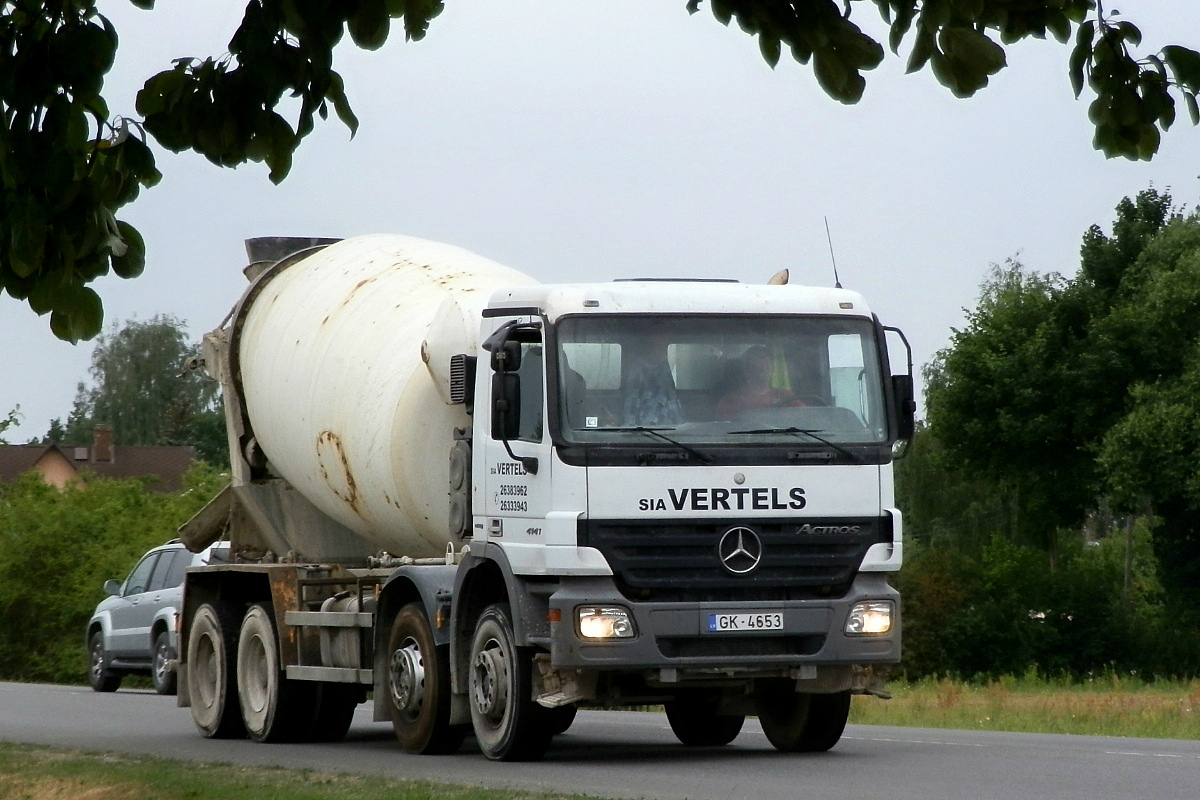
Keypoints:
pixel 795 722
pixel 274 709
pixel 509 725
pixel 696 723
pixel 336 703
pixel 161 675
pixel 418 682
pixel 559 718
pixel 99 676
pixel 212 684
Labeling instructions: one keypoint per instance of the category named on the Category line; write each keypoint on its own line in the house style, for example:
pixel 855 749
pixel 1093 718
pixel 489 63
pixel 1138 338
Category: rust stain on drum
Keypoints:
pixel 335 469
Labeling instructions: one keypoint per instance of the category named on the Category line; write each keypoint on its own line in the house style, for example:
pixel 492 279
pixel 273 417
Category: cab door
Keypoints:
pixel 517 465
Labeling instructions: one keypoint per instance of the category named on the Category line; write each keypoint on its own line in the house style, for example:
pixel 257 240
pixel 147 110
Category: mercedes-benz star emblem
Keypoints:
pixel 740 550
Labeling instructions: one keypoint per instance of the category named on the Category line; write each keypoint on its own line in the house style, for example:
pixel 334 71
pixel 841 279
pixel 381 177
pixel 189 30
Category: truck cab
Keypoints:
pixel 688 479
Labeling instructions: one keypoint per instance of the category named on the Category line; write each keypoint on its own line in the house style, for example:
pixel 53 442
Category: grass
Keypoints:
pixel 1112 705
pixel 40 773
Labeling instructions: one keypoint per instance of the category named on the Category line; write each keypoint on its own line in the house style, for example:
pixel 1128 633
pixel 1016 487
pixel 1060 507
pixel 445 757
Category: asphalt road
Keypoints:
pixel 635 755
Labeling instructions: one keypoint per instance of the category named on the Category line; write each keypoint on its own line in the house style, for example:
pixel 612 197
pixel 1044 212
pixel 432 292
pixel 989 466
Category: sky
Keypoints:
pixel 627 138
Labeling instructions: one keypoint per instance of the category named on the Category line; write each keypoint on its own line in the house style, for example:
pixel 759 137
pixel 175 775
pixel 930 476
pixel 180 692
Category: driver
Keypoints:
pixel 755 390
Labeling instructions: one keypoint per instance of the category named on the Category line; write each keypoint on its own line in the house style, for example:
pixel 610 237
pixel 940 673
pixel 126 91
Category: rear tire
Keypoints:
pixel 696 723
pixel 211 674
pixel 101 678
pixel 508 724
pixel 336 703
pixel 163 678
pixel 418 686
pixel 795 722
pixel 273 708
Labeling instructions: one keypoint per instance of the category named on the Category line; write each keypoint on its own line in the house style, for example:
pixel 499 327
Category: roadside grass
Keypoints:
pixel 29 772
pixel 1109 705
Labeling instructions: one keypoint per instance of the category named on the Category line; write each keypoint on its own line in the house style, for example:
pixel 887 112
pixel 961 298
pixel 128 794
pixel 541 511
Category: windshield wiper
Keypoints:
pixel 812 434
pixel 705 457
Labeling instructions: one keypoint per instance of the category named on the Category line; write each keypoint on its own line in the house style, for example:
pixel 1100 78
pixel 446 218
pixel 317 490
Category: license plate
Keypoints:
pixel 757 621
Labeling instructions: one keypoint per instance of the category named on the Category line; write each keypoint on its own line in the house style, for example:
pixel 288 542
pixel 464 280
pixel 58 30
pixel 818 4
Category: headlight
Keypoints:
pixel 596 622
pixel 870 617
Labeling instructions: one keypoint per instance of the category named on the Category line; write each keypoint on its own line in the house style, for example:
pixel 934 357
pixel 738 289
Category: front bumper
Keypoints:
pixel 675 634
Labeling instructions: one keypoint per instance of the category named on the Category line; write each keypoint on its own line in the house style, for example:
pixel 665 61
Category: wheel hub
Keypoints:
pixel 489 683
pixel 408 677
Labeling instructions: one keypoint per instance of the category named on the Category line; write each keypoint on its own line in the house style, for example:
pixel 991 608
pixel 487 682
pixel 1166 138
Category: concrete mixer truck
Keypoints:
pixel 478 503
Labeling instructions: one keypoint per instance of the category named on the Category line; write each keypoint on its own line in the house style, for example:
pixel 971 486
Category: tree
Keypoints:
pixel 145 390
pixel 14 416
pixel 1083 390
pixel 74 539
pixel 68 165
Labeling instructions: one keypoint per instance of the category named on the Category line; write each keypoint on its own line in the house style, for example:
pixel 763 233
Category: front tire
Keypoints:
pixel 508 724
pixel 212 682
pixel 696 723
pixel 418 684
pixel 101 678
pixel 560 718
pixel 795 722
pixel 161 675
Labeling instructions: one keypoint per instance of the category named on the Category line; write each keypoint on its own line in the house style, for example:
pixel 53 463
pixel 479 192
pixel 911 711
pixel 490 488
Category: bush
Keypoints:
pixel 56 550
pixel 1007 612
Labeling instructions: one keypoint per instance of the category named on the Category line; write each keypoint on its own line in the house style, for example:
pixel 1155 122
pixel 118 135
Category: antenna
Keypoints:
pixel 837 283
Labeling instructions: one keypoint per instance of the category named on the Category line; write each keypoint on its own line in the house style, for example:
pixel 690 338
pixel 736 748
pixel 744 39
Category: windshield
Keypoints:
pixel 719 380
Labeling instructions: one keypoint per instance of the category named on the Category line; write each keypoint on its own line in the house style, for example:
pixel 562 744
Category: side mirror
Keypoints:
pixel 906 406
pixel 506 357
pixel 112 588
pixel 506 405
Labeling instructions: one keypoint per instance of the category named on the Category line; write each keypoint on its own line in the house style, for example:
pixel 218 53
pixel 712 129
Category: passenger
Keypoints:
pixel 651 398
pixel 755 391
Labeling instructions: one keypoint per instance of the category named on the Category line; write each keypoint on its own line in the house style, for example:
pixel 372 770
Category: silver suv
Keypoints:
pixel 133 629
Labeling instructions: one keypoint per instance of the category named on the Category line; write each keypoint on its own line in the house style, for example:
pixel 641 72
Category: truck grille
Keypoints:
pixel 668 561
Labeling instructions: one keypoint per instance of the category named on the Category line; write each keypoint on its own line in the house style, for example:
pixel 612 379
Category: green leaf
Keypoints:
pixel 971 9
pixel 1059 25
pixel 770 48
pixel 133 262
pixel 837 79
pixel 79 315
pixel 139 160
pixel 1185 64
pixel 336 94
pixel 924 48
pixel 1193 108
pixel 370 25
pixel 83 54
pixel 722 11
pixel 283 144
pixel 1080 55
pixel 27 237
pixel 975 51
pixel 1129 33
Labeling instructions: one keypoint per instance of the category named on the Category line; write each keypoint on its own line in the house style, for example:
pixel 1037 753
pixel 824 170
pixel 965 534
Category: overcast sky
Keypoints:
pixel 624 138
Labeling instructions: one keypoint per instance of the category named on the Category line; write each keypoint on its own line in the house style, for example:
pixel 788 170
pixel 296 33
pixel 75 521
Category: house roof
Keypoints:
pixel 167 464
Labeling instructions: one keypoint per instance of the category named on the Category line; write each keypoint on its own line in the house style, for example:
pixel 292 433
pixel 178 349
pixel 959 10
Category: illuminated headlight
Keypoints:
pixel 596 622
pixel 870 617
